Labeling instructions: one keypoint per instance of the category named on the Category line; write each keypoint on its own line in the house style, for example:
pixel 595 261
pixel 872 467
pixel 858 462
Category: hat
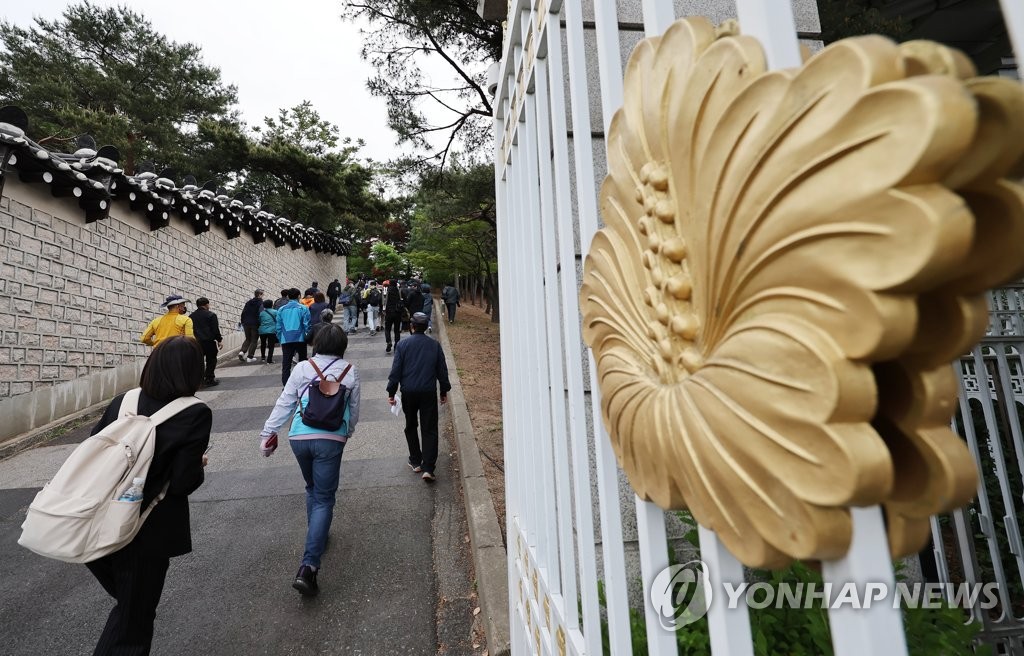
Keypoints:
pixel 173 299
pixel 420 319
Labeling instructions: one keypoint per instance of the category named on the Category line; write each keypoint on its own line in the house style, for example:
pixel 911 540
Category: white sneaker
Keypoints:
pixel 241 356
pixel 250 359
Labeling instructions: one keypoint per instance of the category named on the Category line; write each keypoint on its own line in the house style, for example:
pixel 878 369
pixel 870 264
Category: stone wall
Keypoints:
pixel 76 296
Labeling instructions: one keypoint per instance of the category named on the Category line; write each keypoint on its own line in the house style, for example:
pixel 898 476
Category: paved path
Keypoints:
pixel 393 581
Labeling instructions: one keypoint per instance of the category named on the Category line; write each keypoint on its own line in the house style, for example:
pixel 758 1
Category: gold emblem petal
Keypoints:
pixel 768 237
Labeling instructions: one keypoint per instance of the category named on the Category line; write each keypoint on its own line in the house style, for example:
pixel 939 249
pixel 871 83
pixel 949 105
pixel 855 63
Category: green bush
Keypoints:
pixel 805 632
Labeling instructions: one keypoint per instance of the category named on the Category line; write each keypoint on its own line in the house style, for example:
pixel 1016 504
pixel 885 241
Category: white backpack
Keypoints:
pixel 76 517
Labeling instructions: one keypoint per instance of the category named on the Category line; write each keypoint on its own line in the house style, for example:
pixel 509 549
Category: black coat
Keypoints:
pixel 392 302
pixel 205 326
pixel 178 459
pixel 414 301
pixel 251 312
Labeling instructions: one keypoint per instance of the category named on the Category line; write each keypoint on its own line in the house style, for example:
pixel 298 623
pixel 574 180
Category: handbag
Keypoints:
pixel 327 404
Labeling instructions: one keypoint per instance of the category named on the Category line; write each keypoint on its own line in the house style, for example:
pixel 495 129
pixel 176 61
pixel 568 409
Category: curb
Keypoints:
pixel 489 557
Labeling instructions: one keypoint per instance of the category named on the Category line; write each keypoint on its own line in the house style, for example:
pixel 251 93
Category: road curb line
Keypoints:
pixel 489 557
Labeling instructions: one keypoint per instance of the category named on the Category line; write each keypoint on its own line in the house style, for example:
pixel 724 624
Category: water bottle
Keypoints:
pixel 133 493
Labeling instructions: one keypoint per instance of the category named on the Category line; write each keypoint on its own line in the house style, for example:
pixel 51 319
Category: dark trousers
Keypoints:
pixel 392 324
pixel 288 349
pixel 423 405
pixel 210 353
pixel 451 311
pixel 134 577
pixel 267 343
pixel 252 338
pixel 334 303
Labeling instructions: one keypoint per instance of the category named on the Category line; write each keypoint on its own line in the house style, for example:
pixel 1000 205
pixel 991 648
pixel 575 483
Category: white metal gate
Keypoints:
pixel 571 517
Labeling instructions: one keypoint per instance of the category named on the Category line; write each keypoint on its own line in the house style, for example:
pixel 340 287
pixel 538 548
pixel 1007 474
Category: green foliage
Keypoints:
pixel 454 226
pixel 387 262
pixel 104 71
pixel 845 18
pixel 408 35
pixel 805 632
pixel 296 169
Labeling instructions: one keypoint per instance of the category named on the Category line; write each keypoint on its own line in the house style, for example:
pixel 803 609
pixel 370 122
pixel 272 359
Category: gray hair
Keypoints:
pixel 327 316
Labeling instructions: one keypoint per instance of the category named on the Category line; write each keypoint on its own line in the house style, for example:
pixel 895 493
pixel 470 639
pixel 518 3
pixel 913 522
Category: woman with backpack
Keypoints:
pixel 134 575
pixel 318 444
pixel 268 331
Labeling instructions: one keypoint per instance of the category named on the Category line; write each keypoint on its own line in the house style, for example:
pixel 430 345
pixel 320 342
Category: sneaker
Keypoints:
pixel 212 382
pixel 269 361
pixel 429 477
pixel 416 468
pixel 241 356
pixel 305 581
pixel 250 359
pixel 388 350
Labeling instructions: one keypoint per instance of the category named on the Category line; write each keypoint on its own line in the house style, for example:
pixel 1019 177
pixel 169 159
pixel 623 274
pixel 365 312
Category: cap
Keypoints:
pixel 420 319
pixel 172 300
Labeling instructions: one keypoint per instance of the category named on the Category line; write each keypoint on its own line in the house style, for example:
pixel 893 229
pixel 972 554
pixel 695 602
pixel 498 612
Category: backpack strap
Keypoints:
pixel 129 403
pixel 173 408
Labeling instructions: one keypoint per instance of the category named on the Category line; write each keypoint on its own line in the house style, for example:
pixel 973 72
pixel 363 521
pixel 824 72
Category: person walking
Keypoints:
pixel 282 301
pixel 333 291
pixel 413 302
pixel 392 303
pixel 418 368
pixel 349 299
pixel 207 333
pixel 292 328
pixel 318 451
pixel 428 306
pixel 250 321
pixel 171 323
pixel 268 332
pixel 372 298
pixel 319 305
pixel 327 319
pixel 450 296
pixel 134 575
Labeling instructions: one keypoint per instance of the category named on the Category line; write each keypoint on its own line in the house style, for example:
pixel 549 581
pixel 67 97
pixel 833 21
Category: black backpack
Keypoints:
pixel 328 405
pixel 373 298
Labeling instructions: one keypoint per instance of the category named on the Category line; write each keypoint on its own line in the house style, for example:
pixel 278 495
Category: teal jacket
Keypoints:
pixel 268 321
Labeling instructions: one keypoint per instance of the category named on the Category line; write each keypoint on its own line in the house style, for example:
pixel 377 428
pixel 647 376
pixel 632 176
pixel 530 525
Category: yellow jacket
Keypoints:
pixel 167 325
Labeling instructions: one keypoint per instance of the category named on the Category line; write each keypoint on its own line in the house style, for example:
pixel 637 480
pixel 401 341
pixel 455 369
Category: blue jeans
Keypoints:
pixel 351 317
pixel 320 462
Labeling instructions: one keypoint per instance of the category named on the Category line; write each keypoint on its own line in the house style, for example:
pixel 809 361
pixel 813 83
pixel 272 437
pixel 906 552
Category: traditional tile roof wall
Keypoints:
pixel 94 178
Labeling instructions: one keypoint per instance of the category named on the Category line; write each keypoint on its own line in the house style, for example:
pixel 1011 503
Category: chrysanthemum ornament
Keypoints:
pixel 789 261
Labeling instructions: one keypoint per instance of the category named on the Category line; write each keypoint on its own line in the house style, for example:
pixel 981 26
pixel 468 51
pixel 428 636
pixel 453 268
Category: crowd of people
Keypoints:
pixel 184 358
pixel 291 320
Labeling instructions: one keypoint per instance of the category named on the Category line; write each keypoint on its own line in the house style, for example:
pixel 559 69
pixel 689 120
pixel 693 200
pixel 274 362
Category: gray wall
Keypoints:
pixel 75 297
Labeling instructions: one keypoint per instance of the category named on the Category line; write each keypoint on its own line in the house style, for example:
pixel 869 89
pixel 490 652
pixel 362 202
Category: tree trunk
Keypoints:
pixel 493 296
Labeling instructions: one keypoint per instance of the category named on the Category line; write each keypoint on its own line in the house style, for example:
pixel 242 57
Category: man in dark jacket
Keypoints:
pixel 251 326
pixel 418 368
pixel 207 333
pixel 414 299
pixel 333 292
pixel 392 305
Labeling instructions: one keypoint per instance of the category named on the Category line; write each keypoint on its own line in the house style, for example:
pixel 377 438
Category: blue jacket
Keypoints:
pixel 268 321
pixel 418 366
pixel 292 323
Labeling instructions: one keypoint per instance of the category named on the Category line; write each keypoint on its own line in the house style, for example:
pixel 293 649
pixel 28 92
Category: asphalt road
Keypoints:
pixel 394 580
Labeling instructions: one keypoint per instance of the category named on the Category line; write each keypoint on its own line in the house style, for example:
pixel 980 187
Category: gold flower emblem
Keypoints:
pixel 772 241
